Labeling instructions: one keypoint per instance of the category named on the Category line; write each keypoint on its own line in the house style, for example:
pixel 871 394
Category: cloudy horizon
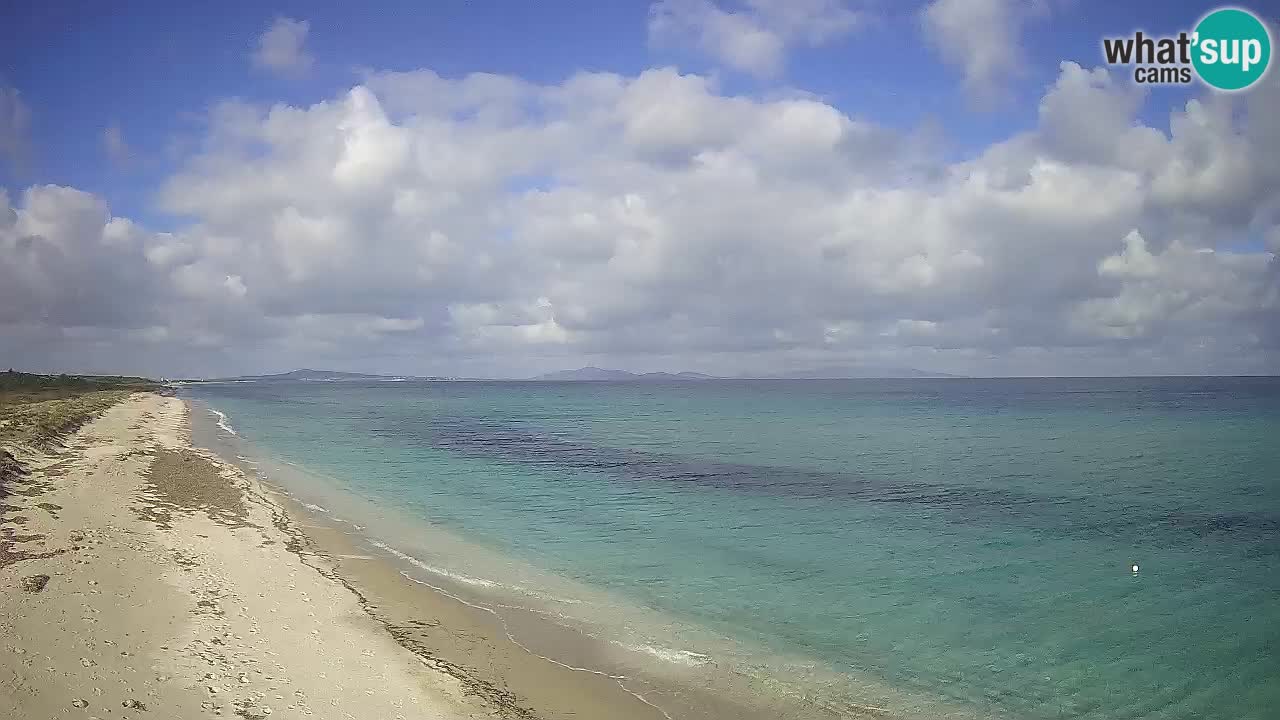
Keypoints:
pixel 700 199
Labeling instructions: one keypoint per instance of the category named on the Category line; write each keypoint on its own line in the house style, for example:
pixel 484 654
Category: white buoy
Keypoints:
pixel 1135 568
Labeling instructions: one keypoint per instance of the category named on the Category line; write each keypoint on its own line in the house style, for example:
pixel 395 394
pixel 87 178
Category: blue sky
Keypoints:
pixel 727 186
pixel 154 67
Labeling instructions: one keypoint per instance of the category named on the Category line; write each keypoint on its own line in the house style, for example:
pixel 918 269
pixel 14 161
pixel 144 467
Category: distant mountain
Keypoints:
pixel 596 374
pixel 587 373
pixel 602 374
pixel 307 374
pixel 684 375
pixel 321 376
pixel 857 372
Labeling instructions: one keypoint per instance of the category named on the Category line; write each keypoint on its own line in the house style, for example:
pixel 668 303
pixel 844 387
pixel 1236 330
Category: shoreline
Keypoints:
pixel 555 670
pixel 521 639
pixel 513 680
pixel 149 574
pixel 227 595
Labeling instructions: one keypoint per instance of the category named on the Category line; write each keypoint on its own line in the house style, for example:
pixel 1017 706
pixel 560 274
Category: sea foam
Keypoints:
pixel 222 422
pixel 456 577
pixel 672 655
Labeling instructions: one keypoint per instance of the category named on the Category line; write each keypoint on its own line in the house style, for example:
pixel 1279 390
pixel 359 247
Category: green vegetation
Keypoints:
pixel 30 387
pixel 36 410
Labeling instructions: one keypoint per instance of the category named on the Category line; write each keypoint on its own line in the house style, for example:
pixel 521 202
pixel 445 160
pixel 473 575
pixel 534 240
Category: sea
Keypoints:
pixel 1023 548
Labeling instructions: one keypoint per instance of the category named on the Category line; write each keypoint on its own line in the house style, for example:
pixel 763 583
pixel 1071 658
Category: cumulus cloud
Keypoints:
pixel 752 37
pixel 68 263
pixel 1182 293
pixel 15 123
pixel 280 48
pixel 983 38
pixel 485 224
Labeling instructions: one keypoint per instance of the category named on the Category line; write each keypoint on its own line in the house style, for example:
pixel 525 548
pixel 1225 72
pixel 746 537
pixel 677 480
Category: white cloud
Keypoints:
pixel 1182 292
pixel 280 48
pixel 68 263
pixel 1134 262
pixel 754 36
pixel 416 223
pixel 983 38
pixel 15 123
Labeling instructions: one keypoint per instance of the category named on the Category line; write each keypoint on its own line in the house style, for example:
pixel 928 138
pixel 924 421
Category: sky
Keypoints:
pixel 745 187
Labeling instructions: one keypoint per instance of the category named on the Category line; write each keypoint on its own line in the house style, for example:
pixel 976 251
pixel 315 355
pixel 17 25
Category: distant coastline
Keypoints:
pixel 589 374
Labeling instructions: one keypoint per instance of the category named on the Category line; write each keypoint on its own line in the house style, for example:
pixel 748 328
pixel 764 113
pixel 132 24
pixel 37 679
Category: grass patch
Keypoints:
pixel 19 388
pixel 38 410
pixel 39 424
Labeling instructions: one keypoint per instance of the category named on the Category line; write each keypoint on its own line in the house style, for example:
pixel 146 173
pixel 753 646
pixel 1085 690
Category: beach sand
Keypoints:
pixel 143 580
pixel 143 577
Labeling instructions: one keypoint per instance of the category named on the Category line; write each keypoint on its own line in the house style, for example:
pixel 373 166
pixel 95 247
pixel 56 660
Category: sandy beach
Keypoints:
pixel 145 580
pixel 144 577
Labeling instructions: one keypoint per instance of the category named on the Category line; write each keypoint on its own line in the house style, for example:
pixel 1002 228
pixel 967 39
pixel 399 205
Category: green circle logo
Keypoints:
pixel 1232 49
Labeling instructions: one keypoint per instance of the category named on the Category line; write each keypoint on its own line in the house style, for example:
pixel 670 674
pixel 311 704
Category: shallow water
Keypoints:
pixel 964 542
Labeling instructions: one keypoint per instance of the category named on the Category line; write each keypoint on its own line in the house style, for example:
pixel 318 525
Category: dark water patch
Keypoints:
pixel 1074 516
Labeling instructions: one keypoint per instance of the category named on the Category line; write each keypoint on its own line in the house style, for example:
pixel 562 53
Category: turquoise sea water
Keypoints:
pixel 964 540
